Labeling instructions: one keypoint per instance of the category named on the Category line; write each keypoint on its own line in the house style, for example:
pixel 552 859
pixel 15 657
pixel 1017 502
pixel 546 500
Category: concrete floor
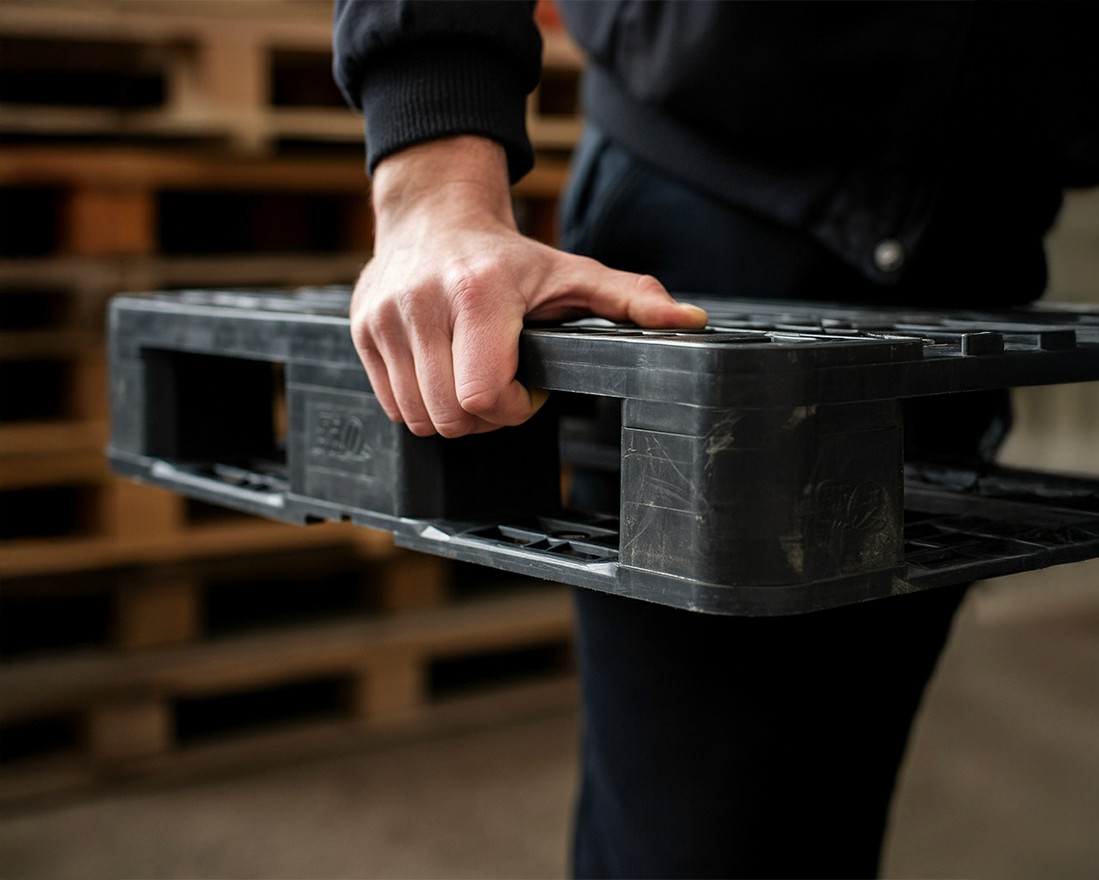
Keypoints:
pixel 1002 777
pixel 1002 781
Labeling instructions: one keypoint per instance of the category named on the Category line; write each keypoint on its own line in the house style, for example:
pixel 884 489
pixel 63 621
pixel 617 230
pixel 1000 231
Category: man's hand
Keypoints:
pixel 437 312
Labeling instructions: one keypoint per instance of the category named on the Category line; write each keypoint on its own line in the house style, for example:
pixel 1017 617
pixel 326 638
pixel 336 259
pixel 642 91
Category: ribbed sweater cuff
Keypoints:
pixel 435 90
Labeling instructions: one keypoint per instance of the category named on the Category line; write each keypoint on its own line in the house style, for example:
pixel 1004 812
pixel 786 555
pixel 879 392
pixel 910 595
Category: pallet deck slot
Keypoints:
pixel 760 459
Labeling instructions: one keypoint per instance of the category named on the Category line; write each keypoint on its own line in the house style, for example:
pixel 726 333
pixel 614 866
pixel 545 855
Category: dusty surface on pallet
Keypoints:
pixel 1001 782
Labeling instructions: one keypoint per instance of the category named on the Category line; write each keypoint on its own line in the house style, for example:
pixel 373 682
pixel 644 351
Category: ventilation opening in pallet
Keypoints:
pixel 295 597
pixel 558 93
pixel 46 512
pixel 48 620
pixel 219 222
pixel 34 309
pixel 34 389
pixel 222 417
pixel 30 221
pixel 201 719
pixel 456 676
pixel 300 78
pixel 39 738
pixel 81 73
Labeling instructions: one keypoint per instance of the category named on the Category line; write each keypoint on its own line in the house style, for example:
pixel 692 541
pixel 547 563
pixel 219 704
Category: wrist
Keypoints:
pixel 462 180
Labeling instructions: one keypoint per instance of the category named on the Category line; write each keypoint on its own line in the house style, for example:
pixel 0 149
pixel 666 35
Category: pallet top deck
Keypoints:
pixel 776 427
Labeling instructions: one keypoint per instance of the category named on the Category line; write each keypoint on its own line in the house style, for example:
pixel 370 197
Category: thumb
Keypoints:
pixel 626 296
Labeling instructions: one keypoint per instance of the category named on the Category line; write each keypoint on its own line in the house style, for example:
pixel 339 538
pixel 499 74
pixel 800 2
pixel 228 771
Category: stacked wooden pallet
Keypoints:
pixel 159 145
pixel 251 75
pixel 169 669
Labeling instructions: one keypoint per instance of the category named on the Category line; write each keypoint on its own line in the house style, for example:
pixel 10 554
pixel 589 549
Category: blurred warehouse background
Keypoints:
pixel 190 692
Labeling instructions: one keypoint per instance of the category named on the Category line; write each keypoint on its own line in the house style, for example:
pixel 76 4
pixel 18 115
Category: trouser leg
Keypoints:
pixel 717 746
pixel 762 747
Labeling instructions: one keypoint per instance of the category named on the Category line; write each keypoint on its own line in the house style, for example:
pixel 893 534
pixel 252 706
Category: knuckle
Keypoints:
pixel 478 401
pixel 420 427
pixel 648 284
pixel 457 426
pixel 469 285
pixel 385 311
pixel 392 413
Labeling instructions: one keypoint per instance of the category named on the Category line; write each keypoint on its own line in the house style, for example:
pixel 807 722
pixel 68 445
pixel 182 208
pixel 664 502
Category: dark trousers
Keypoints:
pixel 725 747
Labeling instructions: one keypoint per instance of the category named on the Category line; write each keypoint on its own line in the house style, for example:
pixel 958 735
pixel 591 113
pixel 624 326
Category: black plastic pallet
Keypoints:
pixel 760 458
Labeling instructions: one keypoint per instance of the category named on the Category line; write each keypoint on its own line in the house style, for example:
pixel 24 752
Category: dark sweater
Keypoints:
pixel 861 124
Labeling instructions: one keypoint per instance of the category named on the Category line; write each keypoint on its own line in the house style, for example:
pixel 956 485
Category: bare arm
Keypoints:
pixel 437 312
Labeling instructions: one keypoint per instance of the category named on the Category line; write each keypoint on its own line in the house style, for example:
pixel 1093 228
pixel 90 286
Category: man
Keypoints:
pixel 895 153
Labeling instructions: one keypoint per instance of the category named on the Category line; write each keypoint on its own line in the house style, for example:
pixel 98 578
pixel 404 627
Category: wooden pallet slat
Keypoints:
pixel 86 467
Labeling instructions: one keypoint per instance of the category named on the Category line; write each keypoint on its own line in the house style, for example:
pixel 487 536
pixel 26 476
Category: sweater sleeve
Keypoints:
pixel 424 69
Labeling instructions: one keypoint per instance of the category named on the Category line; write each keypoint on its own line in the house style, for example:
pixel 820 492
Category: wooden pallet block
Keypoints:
pixel 101 219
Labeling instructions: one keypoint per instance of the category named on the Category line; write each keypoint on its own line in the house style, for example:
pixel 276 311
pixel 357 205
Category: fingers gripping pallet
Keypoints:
pixel 761 459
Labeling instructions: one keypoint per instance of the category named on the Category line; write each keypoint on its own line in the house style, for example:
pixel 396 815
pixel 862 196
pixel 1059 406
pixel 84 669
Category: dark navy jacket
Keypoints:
pixel 861 124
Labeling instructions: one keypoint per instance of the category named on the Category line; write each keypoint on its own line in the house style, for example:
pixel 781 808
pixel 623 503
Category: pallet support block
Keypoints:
pixel 390 690
pixel 109 221
pixel 159 609
pixel 138 514
pixel 410 582
pixel 222 80
pixel 128 729
pixel 88 393
pixel 794 501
